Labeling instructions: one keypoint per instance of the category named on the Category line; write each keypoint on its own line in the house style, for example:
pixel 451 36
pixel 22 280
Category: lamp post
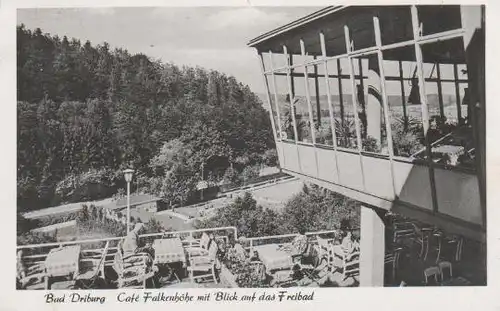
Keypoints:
pixel 128 178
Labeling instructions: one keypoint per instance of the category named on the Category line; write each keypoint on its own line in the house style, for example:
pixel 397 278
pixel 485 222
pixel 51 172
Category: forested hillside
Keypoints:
pixel 85 112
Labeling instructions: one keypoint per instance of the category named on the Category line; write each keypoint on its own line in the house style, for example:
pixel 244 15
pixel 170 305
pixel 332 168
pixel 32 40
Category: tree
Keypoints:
pixel 84 107
pixel 314 209
pixel 249 218
pixel 175 173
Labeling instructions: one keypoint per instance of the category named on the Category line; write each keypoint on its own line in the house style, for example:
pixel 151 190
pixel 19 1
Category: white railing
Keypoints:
pixel 189 234
pixel 280 239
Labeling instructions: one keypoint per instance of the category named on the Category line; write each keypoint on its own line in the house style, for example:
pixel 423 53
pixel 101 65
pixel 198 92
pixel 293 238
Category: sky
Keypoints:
pixel 211 37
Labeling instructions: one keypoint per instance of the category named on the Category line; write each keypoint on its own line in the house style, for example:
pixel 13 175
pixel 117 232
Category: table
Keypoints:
pixel 273 257
pixel 63 261
pixel 169 251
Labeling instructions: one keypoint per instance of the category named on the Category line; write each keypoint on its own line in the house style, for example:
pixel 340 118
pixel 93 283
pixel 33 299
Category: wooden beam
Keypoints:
pixel 291 94
pixel 403 96
pixel 457 94
pixel 276 98
pixel 309 106
pixel 385 103
pixel 268 97
pixel 353 90
pixel 308 96
pixel 423 104
pixel 330 104
pixel 354 105
pixel 440 90
pixel 316 89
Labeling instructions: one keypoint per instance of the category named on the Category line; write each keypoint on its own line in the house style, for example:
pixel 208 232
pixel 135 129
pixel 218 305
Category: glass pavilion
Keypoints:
pixel 386 105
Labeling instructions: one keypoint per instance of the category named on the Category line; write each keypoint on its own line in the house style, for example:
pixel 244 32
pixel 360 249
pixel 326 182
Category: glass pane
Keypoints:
pixel 341 96
pixel 446 71
pixel 279 60
pixel 362 31
pixel 370 104
pixel 284 106
pixel 395 24
pixel 464 103
pixel 334 41
pixel 301 110
pixel 404 103
pixel 450 102
pixel 299 59
pixel 319 104
pixel 267 61
pixel 451 141
pixel 439 18
pixel 462 71
pixel 430 71
pixel 431 88
pixel 272 89
pixel 312 45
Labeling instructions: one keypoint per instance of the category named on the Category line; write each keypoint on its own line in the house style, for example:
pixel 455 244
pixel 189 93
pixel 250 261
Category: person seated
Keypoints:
pixel 347 246
pixel 25 275
pixel 131 246
pixel 239 252
pixel 297 248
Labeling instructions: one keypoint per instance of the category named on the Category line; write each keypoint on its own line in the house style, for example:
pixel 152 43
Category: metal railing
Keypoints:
pixel 284 238
pixel 187 235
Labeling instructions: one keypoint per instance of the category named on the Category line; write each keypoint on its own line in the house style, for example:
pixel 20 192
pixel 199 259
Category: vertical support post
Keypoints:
pixel 354 100
pixel 362 102
pixel 423 103
pixel 372 248
pixel 329 99
pixel 316 90
pixel 473 21
pixel 291 94
pixel 309 105
pixel 341 94
pixel 403 97
pixel 440 90
pixel 353 89
pixel 268 96
pixel 378 40
pixel 277 137
pixel 128 207
pixel 457 94
pixel 275 89
pixel 308 96
pixel 329 94
pixel 290 64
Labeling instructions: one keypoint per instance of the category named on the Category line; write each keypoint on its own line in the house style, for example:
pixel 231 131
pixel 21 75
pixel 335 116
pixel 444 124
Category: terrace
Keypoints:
pixel 217 258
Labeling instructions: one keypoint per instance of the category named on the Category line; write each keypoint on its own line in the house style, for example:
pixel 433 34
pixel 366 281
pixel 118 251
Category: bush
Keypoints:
pixel 35 238
pixel 270 157
pixel 249 218
pixel 87 186
pixel 249 173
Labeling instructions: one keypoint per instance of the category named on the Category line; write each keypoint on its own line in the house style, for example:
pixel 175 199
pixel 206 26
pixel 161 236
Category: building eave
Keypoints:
pixel 295 24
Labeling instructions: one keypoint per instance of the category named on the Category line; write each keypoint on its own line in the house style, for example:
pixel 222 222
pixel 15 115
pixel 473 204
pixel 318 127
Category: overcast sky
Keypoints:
pixel 211 37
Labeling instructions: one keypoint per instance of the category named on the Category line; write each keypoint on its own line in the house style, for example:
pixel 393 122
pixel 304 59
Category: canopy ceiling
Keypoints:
pixel 395 24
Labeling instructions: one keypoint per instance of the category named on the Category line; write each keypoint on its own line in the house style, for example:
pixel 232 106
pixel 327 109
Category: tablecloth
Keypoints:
pixel 63 261
pixel 169 251
pixel 273 258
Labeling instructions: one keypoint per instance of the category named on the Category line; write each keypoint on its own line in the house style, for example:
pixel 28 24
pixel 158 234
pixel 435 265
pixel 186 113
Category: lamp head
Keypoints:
pixel 128 174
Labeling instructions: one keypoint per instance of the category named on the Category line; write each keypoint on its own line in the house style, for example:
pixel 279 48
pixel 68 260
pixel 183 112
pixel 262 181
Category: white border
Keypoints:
pixel 480 298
